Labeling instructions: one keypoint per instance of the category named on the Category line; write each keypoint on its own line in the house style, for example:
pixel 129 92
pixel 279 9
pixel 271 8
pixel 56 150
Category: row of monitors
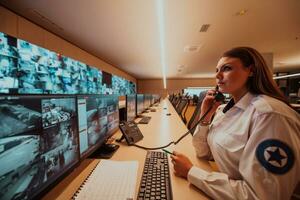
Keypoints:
pixel 26 68
pixel 43 137
pixel 137 103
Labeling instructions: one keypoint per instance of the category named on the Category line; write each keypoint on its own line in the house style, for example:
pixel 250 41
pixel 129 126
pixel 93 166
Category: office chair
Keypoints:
pixel 196 113
pixel 195 99
pixel 194 117
pixel 181 105
pixel 183 116
pixel 177 101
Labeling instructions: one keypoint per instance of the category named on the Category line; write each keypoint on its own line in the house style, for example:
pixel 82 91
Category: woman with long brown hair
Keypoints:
pixel 254 139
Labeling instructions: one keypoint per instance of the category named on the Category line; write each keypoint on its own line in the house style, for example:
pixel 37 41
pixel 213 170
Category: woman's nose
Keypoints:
pixel 218 75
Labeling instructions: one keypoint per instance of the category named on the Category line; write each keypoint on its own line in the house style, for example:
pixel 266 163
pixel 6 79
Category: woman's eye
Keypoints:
pixel 226 68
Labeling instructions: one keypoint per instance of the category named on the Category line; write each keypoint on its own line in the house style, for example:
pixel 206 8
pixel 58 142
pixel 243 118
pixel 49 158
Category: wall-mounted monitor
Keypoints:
pixel 130 107
pixel 27 68
pixel 38 143
pixel 139 104
pixel 107 83
pixel 98 119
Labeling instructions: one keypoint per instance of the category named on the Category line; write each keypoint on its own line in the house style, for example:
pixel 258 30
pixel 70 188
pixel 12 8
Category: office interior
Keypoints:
pixel 155 48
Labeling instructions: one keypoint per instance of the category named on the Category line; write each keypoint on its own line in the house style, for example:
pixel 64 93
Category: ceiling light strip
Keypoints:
pixel 161 19
pixel 286 76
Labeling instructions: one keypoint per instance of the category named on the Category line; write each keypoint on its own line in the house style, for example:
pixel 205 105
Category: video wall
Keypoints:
pixel 54 110
pixel 26 68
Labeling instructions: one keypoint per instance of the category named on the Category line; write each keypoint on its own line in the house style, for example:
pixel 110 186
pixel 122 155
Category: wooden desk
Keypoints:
pixel 161 130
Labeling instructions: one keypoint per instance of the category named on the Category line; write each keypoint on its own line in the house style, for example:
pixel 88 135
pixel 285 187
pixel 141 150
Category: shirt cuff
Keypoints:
pixel 195 174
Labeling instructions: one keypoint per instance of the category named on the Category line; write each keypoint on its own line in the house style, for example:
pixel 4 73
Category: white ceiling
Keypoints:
pixel 125 33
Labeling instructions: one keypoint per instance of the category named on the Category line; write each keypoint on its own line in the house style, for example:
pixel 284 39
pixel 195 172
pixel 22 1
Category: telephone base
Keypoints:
pixel 105 151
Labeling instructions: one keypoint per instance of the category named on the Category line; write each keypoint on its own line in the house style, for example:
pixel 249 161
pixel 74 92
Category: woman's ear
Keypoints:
pixel 251 71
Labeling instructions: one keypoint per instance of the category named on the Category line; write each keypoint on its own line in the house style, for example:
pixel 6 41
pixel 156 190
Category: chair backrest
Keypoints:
pixel 176 101
pixel 183 116
pixel 196 114
pixel 195 99
pixel 194 118
pixel 181 105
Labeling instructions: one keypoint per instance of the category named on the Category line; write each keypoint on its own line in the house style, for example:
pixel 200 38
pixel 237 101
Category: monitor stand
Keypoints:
pixel 105 151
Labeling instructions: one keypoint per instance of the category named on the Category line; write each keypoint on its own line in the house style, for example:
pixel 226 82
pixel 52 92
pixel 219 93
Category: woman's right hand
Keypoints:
pixel 209 100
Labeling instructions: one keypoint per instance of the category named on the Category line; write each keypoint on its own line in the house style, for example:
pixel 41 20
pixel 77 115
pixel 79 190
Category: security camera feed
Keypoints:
pixel 112 114
pixel 122 86
pixel 35 155
pixel 8 64
pixel 57 110
pixel 119 85
pixel 44 72
pixel 130 107
pixel 29 69
pixel 139 103
pixel 131 87
pixel 107 83
pixel 97 117
pixel 8 45
pixel 8 75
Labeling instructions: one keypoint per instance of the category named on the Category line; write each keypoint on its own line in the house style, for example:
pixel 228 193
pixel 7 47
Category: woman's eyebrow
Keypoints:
pixel 222 66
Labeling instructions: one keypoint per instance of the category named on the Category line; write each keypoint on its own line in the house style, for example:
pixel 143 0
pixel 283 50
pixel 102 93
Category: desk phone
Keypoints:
pixel 131 132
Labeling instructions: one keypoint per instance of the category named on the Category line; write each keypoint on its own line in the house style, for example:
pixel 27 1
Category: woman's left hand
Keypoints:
pixel 182 164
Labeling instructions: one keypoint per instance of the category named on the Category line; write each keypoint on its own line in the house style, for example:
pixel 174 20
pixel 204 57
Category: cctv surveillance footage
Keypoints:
pixel 34 155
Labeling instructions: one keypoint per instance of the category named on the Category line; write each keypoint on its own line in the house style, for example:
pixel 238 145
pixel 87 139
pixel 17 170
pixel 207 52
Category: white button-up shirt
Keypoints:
pixel 256 146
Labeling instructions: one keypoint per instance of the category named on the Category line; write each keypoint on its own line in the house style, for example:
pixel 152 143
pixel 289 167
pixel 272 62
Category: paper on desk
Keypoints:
pixel 112 180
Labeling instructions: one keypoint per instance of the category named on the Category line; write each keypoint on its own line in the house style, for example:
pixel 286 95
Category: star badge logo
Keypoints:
pixel 275 156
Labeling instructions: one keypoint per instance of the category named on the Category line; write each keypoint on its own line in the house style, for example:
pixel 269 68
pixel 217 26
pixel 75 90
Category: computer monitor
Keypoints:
pixel 112 114
pixel 130 107
pixel 98 119
pixel 147 100
pixel 139 104
pixel 38 143
pixel 152 99
pixel 155 98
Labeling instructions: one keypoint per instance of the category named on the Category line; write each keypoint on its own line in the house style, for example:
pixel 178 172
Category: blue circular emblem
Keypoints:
pixel 276 156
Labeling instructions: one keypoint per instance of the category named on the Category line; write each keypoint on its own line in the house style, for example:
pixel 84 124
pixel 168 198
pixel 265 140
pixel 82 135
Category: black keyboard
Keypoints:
pixel 156 182
pixel 145 120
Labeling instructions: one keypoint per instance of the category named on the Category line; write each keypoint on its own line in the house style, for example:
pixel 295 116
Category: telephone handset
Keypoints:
pixel 218 95
pixel 131 132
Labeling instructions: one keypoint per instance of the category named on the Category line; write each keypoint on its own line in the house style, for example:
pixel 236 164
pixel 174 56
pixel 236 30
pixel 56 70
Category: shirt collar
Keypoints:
pixel 243 103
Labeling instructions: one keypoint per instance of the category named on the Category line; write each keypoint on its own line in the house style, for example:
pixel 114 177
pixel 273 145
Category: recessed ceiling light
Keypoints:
pixel 204 28
pixel 192 48
pixel 241 12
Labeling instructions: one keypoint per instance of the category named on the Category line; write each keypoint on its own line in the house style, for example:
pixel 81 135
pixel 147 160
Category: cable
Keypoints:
pixel 183 136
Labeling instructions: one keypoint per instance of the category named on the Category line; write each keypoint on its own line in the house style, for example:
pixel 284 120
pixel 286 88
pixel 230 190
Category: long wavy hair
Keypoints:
pixel 262 80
